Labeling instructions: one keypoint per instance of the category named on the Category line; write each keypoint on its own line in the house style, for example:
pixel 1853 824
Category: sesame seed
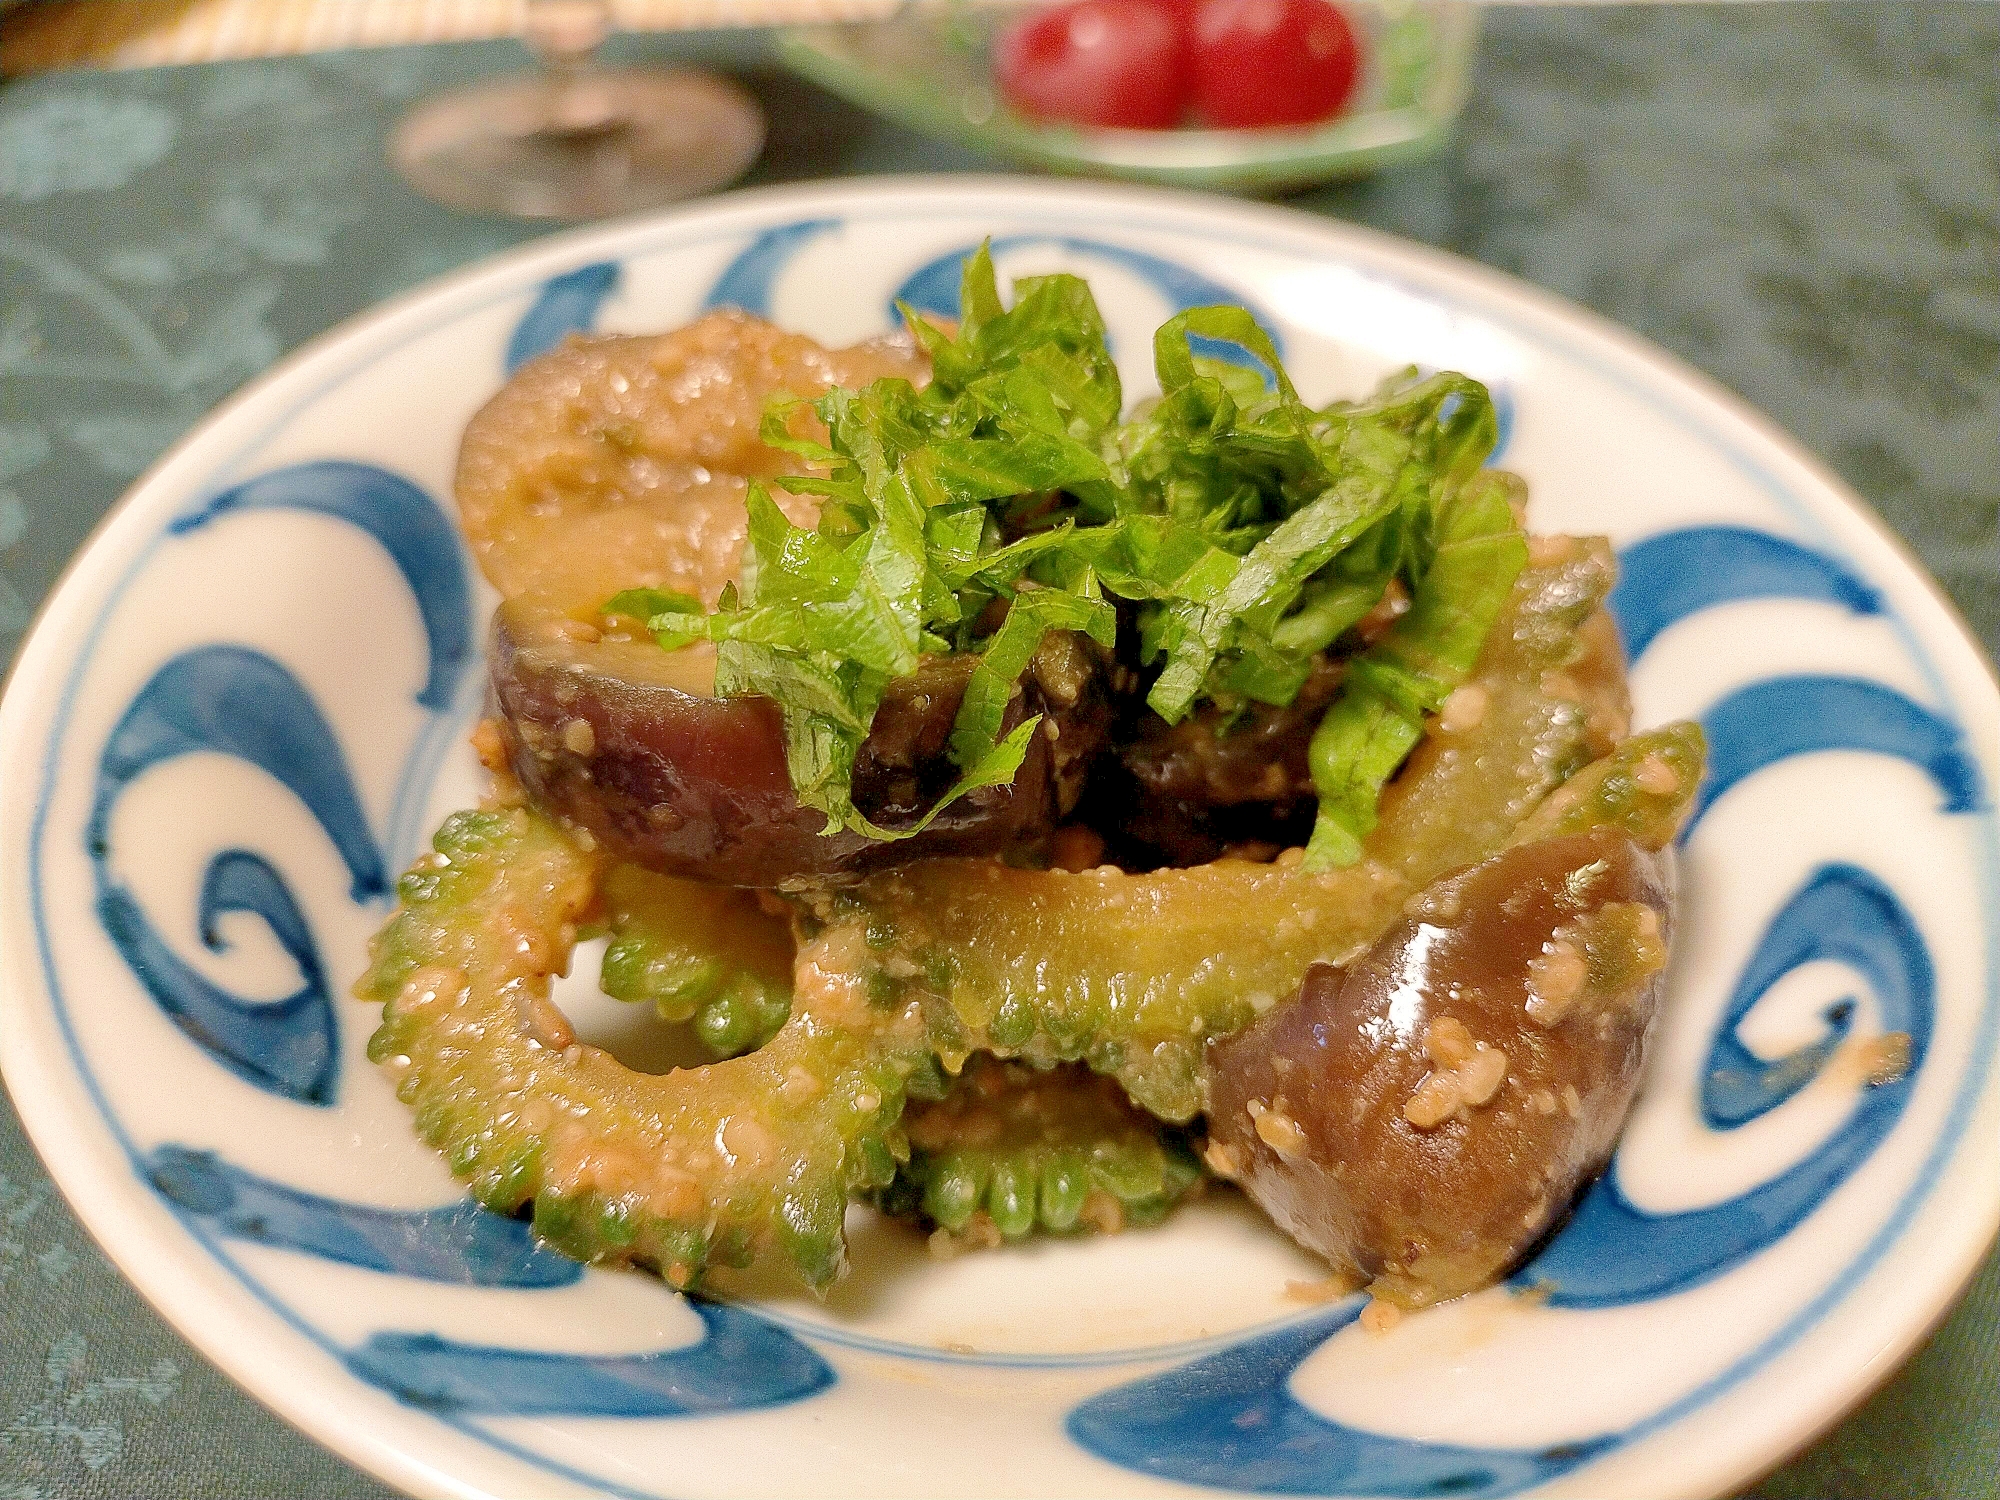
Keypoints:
pixel 1448 1042
pixel 1435 1101
pixel 1480 1076
pixel 1379 1316
pixel 1655 777
pixel 1280 1132
pixel 1464 709
pixel 1556 977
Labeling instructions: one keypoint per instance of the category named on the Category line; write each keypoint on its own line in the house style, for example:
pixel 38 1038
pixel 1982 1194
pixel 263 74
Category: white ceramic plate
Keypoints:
pixel 245 706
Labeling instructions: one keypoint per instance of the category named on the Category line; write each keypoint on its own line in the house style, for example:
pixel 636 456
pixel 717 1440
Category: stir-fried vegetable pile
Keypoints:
pixel 1115 638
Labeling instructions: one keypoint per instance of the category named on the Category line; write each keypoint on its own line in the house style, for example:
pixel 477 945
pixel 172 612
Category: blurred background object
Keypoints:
pixel 150 33
pixel 577 139
pixel 573 139
pixel 1239 95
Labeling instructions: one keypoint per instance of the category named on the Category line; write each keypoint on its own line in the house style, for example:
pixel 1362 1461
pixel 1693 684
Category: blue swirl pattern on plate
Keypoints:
pixel 1230 1421
pixel 410 527
pixel 1780 717
pixel 288 1047
pixel 460 1244
pixel 232 701
pixel 566 304
pixel 1844 915
pixel 742 1363
pixel 750 280
pixel 1666 578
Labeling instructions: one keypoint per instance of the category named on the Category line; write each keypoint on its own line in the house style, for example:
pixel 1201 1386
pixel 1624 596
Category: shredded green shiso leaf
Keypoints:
pixel 1247 530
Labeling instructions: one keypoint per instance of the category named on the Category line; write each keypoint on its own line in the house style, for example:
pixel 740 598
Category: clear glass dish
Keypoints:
pixel 928 67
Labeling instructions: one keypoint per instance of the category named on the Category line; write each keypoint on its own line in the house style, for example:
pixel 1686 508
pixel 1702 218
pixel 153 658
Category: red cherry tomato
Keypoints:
pixel 1272 62
pixel 1183 14
pixel 1096 62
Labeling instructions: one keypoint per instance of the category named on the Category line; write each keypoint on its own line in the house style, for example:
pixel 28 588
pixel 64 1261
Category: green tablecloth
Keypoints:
pixel 1803 200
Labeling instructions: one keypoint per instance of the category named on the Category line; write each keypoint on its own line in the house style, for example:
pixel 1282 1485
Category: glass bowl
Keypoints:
pixel 928 67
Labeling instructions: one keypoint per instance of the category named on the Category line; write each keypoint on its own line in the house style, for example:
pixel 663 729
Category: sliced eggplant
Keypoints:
pixel 620 461
pixel 1422 1117
pixel 627 741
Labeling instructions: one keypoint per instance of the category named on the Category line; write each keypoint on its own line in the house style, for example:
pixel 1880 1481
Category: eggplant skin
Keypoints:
pixel 1192 792
pixel 696 786
pixel 1336 1113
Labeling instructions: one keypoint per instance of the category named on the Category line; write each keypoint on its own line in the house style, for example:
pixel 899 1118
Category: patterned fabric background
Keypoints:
pixel 1802 200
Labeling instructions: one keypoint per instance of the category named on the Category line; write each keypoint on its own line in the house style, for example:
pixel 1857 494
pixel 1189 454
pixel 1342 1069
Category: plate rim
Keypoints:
pixel 110 1209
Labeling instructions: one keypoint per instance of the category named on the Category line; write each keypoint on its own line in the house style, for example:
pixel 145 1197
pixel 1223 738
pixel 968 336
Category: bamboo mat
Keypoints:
pixel 148 33
pixel 40 35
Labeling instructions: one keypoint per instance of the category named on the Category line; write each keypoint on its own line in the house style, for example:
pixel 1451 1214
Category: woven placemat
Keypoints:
pixel 149 33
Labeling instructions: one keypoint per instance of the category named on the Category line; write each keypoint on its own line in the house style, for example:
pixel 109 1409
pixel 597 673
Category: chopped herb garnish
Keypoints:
pixel 1008 498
